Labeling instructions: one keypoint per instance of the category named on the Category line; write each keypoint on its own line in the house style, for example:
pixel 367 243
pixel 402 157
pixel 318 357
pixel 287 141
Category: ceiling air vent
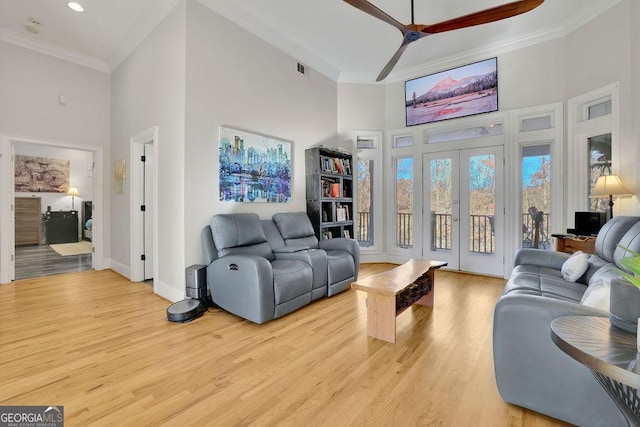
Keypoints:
pixel 302 69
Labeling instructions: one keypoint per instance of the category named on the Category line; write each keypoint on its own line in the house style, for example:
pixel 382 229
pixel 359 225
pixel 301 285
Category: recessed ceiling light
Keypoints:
pixel 75 6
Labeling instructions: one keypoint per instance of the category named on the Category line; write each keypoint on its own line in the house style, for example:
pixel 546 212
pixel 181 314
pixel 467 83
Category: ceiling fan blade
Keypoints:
pixel 393 61
pixel 482 17
pixel 374 11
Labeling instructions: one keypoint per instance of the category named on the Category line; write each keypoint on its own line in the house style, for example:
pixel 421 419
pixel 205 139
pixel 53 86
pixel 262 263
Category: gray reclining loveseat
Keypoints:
pixel 530 370
pixel 264 269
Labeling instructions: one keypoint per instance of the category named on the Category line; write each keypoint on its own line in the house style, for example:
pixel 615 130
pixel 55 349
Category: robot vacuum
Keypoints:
pixel 185 311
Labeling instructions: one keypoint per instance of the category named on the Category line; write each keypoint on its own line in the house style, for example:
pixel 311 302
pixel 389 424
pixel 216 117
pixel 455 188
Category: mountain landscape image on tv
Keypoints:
pixel 458 92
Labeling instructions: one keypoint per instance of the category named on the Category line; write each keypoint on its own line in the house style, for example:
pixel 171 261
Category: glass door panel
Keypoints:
pixel 464 209
pixel 442 207
pixel 482 210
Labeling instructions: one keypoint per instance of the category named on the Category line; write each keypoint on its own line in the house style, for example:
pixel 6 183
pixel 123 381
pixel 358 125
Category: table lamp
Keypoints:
pixel 609 186
pixel 73 192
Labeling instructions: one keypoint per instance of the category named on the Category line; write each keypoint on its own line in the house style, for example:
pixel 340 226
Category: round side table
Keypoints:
pixel 609 353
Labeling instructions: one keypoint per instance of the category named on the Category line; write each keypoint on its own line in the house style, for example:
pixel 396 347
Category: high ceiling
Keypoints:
pixel 327 35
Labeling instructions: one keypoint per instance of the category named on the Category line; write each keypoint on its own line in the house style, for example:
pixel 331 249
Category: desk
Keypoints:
pixel 609 353
pixel 392 292
pixel 569 243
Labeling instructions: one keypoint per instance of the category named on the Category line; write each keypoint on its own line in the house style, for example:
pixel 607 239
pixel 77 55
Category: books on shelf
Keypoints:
pixel 335 165
pixel 326 235
pixel 346 234
pixel 335 189
pixel 342 213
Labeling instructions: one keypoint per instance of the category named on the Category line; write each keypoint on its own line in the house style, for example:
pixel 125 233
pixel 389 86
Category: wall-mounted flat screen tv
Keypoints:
pixel 458 92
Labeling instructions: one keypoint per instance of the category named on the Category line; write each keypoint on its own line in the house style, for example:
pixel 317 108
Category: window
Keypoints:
pixel 593 148
pixel 365 201
pixel 403 141
pixel 536 196
pixel 368 197
pixel 403 173
pixel 464 133
pixel 599 164
pixel 600 109
pixel 536 123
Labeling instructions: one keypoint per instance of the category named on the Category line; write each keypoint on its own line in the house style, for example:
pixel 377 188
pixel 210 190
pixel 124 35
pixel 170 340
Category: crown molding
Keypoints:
pixel 50 49
pixel 233 12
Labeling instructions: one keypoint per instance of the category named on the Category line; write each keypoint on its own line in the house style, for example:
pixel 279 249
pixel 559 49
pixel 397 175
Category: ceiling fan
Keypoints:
pixel 412 32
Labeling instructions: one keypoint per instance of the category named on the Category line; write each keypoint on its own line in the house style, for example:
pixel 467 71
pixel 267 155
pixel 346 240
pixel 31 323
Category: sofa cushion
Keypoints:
pixel 341 266
pixel 239 229
pixel 598 291
pixel 543 281
pixel 597 294
pixel 631 240
pixel 575 266
pixel 595 265
pixel 610 235
pixel 291 279
pixel 293 225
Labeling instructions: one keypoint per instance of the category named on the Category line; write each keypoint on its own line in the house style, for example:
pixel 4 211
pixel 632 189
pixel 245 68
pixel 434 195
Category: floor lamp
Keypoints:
pixel 73 192
pixel 609 186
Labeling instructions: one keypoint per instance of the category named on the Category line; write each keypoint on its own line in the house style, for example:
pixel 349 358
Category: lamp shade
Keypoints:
pixel 609 185
pixel 73 191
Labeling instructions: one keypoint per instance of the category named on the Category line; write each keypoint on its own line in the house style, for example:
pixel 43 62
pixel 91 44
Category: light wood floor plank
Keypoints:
pixel 101 346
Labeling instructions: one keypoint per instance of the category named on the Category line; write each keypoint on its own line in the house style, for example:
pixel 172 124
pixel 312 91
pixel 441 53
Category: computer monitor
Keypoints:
pixel 589 223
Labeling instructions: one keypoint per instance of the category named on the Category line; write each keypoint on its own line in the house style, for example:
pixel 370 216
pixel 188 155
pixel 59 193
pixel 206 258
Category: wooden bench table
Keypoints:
pixel 392 292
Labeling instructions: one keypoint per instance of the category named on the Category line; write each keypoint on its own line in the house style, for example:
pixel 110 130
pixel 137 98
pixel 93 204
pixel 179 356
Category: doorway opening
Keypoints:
pixel 51 208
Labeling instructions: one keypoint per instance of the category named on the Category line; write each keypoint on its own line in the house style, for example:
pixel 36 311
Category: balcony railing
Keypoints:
pixel 532 238
pixel 483 240
pixel 364 231
pixel 404 230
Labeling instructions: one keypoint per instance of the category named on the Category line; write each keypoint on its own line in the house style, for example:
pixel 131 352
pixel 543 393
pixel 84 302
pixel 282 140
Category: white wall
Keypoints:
pixel 527 77
pixel 360 107
pixel 148 89
pixel 79 176
pixel 238 80
pixel 30 84
pixel 598 54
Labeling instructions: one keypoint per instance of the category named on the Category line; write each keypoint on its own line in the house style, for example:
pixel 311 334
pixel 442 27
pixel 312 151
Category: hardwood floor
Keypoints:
pixel 100 345
pixel 41 260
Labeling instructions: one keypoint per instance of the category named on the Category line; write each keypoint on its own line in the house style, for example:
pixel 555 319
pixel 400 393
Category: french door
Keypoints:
pixel 464 209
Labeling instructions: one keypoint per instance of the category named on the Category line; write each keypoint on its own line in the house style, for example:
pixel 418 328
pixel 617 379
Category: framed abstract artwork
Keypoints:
pixel 41 174
pixel 254 168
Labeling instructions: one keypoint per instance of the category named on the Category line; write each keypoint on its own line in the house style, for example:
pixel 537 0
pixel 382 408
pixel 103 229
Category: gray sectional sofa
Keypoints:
pixel 530 370
pixel 264 269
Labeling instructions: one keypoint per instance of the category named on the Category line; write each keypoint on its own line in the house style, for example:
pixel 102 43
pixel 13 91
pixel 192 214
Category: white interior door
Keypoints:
pixel 148 212
pixel 464 209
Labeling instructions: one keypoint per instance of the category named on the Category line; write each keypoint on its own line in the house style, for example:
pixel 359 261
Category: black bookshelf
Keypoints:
pixel 330 192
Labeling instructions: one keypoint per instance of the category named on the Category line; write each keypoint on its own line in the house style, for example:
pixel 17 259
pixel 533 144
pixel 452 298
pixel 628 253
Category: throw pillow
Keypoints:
pixel 575 266
pixel 597 294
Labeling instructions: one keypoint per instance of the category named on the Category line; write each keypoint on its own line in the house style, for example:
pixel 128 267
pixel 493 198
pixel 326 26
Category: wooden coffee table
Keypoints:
pixel 392 292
